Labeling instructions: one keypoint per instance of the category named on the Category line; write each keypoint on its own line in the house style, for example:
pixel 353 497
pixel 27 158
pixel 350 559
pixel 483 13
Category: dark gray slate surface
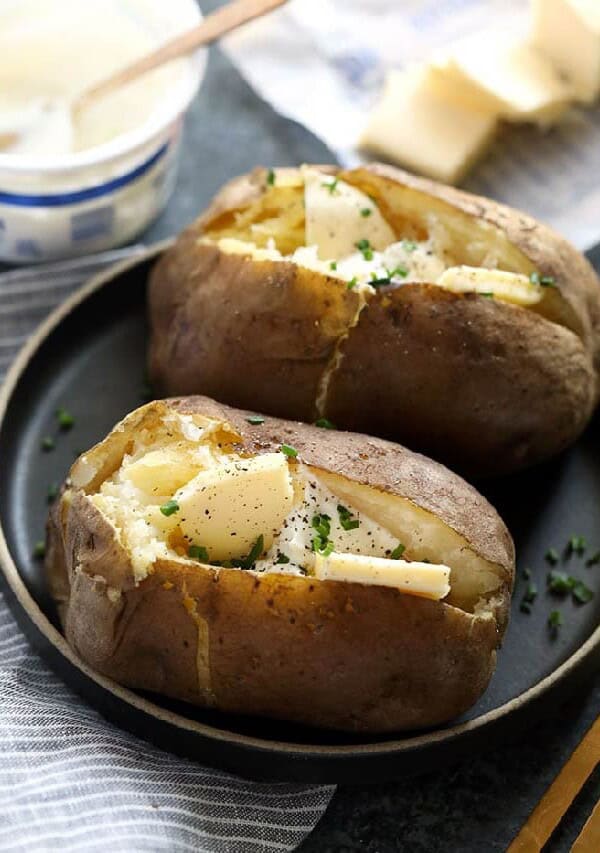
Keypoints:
pixel 480 804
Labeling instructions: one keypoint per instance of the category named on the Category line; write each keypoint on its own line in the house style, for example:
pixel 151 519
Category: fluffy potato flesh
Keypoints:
pixel 181 492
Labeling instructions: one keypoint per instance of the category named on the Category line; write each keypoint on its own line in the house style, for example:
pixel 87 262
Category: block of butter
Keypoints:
pixel 427 580
pixel 568 33
pixel 508 78
pixel 416 127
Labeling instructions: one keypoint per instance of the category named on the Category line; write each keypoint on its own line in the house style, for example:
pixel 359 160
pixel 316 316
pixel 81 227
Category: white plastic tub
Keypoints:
pixel 101 197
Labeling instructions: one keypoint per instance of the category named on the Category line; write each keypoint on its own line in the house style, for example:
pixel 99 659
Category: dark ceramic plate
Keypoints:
pixel 89 357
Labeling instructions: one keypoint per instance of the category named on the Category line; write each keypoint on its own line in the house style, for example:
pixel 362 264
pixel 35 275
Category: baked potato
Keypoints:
pixel 387 304
pixel 266 567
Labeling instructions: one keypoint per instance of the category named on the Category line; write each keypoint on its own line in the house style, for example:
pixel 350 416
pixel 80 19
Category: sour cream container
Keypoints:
pixel 101 197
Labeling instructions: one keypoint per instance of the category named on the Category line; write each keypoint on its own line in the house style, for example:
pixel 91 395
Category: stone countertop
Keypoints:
pixel 480 804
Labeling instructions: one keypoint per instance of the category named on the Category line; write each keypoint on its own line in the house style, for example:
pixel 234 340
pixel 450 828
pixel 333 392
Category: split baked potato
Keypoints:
pixel 266 567
pixel 387 304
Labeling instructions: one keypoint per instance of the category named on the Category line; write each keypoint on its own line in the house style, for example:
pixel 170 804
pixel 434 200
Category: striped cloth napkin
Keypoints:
pixel 70 780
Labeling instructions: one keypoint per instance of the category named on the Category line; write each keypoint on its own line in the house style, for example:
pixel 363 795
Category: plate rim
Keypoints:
pixel 28 607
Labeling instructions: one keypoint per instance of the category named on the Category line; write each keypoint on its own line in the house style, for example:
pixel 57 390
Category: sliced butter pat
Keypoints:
pixel 225 510
pixel 427 580
pixel 512 80
pixel 568 33
pixel 161 472
pixel 338 216
pixel 419 129
pixel 506 286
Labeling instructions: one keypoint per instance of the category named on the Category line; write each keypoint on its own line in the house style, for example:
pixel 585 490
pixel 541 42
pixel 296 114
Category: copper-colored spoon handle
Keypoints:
pixel 549 811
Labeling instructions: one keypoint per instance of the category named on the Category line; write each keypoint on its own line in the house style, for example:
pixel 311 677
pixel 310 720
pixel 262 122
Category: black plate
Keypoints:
pixel 89 357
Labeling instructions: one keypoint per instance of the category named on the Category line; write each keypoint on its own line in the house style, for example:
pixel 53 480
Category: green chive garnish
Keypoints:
pixel 65 418
pixel 325 424
pixel 289 451
pixel 255 420
pixel 47 443
pixel 347 520
pixel 555 621
pixel 170 507
pixel 270 178
pixel 398 551
pixel 198 552
pixel 39 550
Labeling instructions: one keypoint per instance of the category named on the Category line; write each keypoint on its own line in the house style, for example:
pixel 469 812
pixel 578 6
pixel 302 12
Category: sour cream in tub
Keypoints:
pixel 85 181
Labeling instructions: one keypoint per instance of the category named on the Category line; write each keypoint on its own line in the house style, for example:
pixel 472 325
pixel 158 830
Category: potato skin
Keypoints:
pixel 266 325
pixel 517 388
pixel 446 348
pixel 323 653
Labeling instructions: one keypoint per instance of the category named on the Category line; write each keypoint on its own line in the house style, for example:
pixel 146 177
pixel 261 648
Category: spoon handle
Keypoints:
pixel 223 21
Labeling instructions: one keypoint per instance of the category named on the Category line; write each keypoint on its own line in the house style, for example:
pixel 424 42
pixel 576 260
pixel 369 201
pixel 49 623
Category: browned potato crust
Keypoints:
pixel 485 385
pixel 326 653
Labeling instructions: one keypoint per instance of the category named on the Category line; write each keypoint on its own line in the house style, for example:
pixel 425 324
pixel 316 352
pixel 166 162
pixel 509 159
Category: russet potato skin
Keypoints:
pixel 446 348
pixel 485 386
pixel 324 653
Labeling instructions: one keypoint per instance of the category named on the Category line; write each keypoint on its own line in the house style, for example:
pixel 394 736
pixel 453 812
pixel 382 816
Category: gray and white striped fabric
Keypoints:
pixel 69 780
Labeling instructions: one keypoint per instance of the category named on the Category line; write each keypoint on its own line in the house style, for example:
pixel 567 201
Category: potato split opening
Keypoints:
pixel 180 490
pixel 371 233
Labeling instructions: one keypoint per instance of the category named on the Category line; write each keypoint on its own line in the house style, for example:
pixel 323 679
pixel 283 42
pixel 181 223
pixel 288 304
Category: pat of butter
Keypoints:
pixel 568 33
pixel 225 510
pixel 511 80
pixel 161 472
pixel 338 216
pixel 427 580
pixel 419 129
pixel 506 286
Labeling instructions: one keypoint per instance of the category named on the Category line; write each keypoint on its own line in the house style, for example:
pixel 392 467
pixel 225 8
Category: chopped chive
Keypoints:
pixel 270 178
pixel 333 265
pixel 330 185
pixel 170 507
pixel 282 558
pixel 47 443
pixel 594 560
pixel 582 593
pixel 551 556
pixel 255 420
pixel 323 423
pixel 366 211
pixel 324 548
pixel 576 545
pixel 39 550
pixel 255 552
pixel 352 283
pixel 560 583
pixel 486 293
pixel 289 451
pixel 198 552
pixel 530 593
pixel 346 518
pixel 525 607
pixel 398 551
pixel 409 245
pixel 543 280
pixel 555 621
pixel 365 247
pixel 65 419
pixel 52 492
pixel 526 574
